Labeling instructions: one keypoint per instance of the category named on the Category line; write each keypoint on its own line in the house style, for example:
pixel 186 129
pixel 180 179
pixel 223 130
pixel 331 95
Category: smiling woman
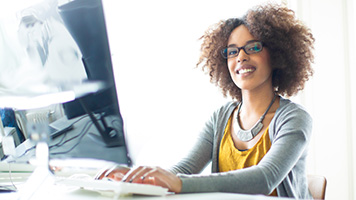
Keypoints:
pixel 290 58
pixel 154 55
pixel 249 71
pixel 242 152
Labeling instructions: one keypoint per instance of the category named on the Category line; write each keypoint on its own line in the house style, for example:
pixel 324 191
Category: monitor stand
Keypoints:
pixel 109 135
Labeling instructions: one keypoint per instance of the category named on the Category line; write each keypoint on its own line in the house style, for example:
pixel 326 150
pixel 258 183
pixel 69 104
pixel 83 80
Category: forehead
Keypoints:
pixel 240 36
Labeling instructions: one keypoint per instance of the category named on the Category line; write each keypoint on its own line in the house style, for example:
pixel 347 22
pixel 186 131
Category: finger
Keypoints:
pixel 157 176
pixel 100 174
pixel 109 171
pixel 163 178
pixel 149 177
pixel 150 180
pixel 131 174
pixel 55 168
pixel 104 172
pixel 128 175
pixel 117 174
pixel 137 178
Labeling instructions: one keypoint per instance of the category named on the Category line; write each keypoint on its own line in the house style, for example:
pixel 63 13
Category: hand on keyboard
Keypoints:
pixel 143 175
pixel 116 173
pixel 154 176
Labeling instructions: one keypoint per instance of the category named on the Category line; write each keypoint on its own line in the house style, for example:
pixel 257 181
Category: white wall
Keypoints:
pixel 331 92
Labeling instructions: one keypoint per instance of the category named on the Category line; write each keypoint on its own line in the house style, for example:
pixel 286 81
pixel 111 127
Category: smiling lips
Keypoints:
pixel 245 70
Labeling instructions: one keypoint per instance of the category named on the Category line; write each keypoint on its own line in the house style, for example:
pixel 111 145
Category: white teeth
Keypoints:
pixel 242 71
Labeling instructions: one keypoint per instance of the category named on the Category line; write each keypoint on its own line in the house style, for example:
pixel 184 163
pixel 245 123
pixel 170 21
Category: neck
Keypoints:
pixel 256 103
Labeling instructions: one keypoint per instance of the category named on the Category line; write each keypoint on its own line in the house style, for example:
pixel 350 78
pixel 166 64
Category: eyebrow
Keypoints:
pixel 248 42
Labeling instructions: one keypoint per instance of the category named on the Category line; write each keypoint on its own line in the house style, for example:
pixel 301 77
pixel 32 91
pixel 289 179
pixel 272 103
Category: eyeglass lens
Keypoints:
pixel 249 48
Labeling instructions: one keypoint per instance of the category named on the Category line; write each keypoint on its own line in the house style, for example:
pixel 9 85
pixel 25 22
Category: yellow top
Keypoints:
pixel 230 158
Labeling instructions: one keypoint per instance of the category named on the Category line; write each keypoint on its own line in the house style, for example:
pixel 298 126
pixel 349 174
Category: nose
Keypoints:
pixel 242 57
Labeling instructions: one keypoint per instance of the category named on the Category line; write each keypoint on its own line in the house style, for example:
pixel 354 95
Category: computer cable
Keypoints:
pixel 9 188
pixel 62 141
pixel 83 132
pixel 34 147
pixel 81 135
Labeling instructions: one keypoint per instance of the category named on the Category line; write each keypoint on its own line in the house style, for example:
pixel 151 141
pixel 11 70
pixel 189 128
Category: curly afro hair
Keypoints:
pixel 288 40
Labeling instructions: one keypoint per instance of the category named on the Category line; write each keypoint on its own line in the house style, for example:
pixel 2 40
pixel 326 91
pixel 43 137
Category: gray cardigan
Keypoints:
pixel 283 167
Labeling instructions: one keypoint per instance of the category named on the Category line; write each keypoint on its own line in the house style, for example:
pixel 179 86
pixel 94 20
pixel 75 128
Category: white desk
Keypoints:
pixel 87 195
pixel 62 192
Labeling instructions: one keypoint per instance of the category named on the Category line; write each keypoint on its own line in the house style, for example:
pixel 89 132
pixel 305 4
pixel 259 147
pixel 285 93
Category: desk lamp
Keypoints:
pixel 25 81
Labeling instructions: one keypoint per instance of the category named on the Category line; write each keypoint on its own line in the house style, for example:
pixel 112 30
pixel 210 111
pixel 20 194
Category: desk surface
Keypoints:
pixel 87 195
pixel 60 192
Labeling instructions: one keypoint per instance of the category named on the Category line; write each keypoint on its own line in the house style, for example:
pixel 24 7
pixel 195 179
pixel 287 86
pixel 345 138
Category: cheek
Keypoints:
pixel 231 64
pixel 265 61
pixel 266 58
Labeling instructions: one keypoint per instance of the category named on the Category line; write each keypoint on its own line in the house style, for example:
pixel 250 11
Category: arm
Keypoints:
pixel 200 155
pixel 194 163
pixel 291 129
pixel 204 151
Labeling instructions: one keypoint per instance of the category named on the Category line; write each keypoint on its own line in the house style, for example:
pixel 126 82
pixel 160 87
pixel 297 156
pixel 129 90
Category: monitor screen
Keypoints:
pixel 85 21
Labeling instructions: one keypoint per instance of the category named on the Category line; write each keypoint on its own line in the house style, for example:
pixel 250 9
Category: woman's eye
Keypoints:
pixel 232 52
pixel 254 48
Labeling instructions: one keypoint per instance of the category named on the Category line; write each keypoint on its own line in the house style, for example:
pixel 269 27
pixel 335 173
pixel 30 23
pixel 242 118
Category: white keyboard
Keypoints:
pixel 112 188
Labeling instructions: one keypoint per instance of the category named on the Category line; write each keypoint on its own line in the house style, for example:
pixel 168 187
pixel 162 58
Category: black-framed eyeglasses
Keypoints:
pixel 249 48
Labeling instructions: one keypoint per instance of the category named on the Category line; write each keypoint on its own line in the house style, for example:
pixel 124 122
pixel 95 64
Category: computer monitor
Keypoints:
pixel 42 33
pixel 85 21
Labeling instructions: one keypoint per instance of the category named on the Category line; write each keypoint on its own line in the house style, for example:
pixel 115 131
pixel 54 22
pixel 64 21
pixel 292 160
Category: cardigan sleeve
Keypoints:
pixel 201 154
pixel 203 151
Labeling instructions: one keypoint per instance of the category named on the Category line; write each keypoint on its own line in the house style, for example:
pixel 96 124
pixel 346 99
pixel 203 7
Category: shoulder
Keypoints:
pixel 221 115
pixel 291 117
pixel 228 106
pixel 288 108
pixel 226 109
